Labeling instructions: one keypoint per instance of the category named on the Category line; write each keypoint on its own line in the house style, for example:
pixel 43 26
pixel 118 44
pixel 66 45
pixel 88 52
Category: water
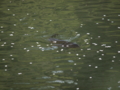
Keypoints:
pixel 29 62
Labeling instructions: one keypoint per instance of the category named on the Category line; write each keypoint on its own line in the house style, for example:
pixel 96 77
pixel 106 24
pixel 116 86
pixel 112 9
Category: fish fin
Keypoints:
pixel 54 35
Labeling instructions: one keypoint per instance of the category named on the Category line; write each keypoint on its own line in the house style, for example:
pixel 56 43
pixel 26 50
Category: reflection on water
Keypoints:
pixel 60 81
pixel 30 62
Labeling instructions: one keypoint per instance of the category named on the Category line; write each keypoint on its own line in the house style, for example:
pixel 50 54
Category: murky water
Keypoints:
pixel 30 62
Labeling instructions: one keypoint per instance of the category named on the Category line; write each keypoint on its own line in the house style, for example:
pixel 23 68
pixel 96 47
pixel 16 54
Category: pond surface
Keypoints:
pixel 28 61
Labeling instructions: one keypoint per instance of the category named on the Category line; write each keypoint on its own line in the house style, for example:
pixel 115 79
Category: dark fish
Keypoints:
pixel 62 43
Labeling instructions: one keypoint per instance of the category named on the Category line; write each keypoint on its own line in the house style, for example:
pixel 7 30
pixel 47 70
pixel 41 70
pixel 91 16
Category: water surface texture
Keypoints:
pixel 28 61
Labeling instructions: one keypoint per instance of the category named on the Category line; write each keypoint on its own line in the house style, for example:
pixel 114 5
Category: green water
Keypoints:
pixel 29 62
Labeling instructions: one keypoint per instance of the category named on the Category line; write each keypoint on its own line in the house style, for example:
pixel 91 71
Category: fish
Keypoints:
pixel 62 43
